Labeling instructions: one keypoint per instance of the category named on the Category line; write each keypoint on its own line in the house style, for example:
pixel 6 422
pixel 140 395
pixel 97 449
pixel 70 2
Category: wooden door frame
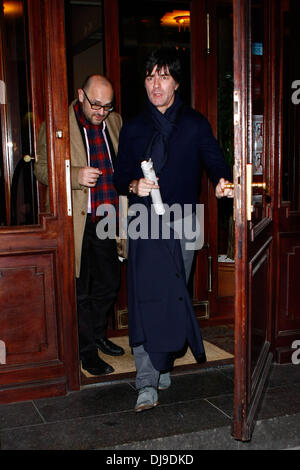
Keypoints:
pixel 58 141
pixel 112 54
pixel 240 24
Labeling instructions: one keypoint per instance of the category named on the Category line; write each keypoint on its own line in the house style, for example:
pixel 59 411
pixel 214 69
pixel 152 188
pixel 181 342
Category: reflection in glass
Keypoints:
pixel 224 21
pixel 258 102
pixel 16 120
pixel 257 91
pixel 259 298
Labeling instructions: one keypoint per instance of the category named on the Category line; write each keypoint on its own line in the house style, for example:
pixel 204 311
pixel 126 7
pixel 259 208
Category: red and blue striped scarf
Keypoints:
pixel 104 192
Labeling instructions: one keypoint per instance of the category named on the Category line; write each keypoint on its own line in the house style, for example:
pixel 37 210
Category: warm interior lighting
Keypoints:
pixel 183 22
pixel 13 8
pixel 177 18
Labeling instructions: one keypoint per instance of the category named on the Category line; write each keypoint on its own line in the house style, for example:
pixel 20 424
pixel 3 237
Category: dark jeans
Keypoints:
pixel 97 287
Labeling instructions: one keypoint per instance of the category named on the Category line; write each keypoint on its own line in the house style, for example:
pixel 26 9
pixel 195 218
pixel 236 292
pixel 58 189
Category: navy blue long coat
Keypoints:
pixel 160 311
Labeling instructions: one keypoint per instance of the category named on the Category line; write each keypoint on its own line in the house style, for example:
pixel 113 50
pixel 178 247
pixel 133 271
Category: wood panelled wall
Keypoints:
pixel 287 299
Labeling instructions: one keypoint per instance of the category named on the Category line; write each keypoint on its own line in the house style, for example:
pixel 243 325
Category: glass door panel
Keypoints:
pixel 224 25
pixel 257 154
pixel 17 156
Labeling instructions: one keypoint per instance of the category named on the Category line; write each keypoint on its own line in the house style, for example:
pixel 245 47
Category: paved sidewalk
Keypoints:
pixel 194 413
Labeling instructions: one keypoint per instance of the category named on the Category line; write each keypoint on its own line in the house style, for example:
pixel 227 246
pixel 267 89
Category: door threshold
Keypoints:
pixel 116 378
pixel 124 366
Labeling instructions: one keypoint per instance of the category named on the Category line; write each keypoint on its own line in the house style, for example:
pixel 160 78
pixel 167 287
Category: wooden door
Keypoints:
pixel 255 139
pixel 37 305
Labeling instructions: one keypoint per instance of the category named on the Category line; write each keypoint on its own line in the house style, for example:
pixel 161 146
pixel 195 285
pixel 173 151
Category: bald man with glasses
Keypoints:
pixel 94 135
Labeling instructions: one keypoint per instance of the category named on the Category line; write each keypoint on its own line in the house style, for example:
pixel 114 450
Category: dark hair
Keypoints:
pixel 164 57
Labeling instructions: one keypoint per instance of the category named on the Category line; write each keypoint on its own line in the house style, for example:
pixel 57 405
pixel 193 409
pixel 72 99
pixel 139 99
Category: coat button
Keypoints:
pixel 180 298
pixel 82 212
pixel 177 275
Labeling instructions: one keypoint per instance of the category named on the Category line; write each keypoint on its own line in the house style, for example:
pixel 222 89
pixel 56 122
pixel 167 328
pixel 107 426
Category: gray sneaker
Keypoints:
pixel 164 381
pixel 147 399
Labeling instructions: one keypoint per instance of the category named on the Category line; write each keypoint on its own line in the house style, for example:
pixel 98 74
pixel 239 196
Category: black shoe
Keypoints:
pixel 201 358
pixel 96 366
pixel 107 347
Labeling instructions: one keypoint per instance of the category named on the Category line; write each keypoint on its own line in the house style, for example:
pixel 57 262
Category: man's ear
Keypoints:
pixel 80 94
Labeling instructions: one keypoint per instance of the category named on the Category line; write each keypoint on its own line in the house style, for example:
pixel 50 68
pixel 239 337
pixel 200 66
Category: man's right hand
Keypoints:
pixel 143 187
pixel 88 176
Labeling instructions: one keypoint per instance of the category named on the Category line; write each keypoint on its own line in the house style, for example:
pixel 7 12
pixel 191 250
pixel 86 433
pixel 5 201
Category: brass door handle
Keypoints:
pixel 262 186
pixel 27 158
pixel 250 185
pixel 254 185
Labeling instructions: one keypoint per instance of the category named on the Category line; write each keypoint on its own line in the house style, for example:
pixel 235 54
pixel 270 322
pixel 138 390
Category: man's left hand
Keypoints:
pixel 221 191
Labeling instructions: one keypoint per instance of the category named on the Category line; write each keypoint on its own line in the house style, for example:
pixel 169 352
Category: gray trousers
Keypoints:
pixel 146 374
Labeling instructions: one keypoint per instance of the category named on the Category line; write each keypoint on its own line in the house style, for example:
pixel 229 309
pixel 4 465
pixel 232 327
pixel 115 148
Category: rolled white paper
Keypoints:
pixel 148 171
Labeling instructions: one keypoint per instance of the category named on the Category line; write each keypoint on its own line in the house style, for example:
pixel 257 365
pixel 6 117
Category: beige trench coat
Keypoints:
pixel 78 160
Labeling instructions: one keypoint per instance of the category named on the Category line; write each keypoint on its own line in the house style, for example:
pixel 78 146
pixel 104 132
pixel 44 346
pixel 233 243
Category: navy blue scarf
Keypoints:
pixel 164 125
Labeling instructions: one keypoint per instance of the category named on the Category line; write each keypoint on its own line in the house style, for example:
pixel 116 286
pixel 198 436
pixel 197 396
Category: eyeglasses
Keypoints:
pixel 106 107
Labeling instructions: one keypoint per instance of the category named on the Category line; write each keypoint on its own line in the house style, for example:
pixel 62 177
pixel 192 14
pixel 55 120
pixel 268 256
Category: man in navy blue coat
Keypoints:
pixel 180 143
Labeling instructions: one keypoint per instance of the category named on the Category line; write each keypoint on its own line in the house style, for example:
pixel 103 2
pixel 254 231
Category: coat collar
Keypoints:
pixel 112 122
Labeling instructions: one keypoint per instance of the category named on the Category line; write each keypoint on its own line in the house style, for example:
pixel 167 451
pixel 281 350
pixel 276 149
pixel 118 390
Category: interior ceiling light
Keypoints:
pixel 177 18
pixel 13 8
